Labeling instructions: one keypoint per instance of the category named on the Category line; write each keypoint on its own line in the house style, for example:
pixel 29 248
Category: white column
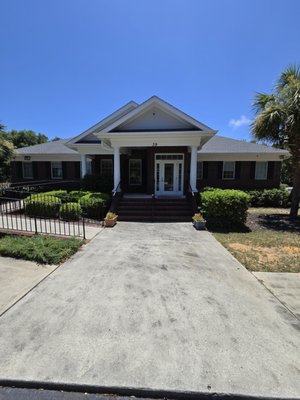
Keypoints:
pixel 116 167
pixel 193 168
pixel 83 165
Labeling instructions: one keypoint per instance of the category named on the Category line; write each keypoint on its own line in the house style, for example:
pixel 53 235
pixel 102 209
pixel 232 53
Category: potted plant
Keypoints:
pixel 110 220
pixel 199 222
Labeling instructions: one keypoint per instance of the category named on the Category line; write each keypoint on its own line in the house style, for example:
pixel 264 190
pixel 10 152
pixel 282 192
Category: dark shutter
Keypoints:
pixel 35 170
pixel 220 169
pixel 19 170
pixel 238 165
pixel 205 170
pixel 77 170
pixel 252 169
pixel 271 169
pixel 64 169
pixel 48 170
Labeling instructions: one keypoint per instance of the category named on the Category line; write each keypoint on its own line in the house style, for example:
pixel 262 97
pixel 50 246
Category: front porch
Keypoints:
pixel 160 171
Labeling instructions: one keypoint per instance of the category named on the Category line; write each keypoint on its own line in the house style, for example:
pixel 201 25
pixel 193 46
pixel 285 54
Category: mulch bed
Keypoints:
pixel 278 222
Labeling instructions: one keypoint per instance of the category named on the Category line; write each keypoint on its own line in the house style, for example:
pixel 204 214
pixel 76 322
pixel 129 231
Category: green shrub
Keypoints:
pixel 269 198
pixel 75 195
pixel 61 194
pixel 224 208
pixel 42 205
pixel 209 189
pixel 94 205
pixel 101 183
pixel 70 211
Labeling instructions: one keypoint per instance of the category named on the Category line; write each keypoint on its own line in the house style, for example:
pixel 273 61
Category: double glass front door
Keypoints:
pixel 169 174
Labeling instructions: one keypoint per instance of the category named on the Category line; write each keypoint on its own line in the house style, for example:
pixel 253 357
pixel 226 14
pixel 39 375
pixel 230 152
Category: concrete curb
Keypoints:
pixel 131 391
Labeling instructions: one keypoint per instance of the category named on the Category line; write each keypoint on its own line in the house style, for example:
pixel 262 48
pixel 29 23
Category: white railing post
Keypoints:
pixel 193 169
pixel 83 165
pixel 116 167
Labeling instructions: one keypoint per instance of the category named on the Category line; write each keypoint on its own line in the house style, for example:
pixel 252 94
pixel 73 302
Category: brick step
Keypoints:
pixel 155 219
pixel 156 212
pixel 161 208
pixel 149 203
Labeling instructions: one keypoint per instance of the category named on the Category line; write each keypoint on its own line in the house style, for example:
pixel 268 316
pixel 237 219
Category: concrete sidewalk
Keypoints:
pixel 285 286
pixel 17 277
pixel 158 306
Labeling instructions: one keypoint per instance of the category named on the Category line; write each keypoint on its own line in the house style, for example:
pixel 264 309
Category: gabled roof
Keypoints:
pixel 216 145
pixel 105 121
pixel 167 108
pixel 221 144
pixel 56 147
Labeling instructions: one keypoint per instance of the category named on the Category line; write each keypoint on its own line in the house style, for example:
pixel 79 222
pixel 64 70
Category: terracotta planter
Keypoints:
pixel 109 223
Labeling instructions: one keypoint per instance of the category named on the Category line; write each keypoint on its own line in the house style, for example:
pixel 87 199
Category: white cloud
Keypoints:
pixel 236 123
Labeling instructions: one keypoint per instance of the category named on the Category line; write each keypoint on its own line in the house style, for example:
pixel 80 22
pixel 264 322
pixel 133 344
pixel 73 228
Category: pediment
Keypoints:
pixel 154 119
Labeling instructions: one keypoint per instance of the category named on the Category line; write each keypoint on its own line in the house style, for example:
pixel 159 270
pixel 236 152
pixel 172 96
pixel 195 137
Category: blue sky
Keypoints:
pixel 66 64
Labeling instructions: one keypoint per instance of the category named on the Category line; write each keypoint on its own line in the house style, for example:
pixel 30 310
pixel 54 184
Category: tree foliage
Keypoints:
pixel 6 154
pixel 24 138
pixel 278 122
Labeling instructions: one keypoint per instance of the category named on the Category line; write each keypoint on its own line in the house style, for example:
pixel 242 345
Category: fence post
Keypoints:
pixel 83 226
pixel 35 226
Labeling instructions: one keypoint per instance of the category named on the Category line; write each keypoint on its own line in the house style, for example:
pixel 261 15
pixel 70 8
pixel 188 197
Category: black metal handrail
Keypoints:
pixel 153 197
pixel 193 199
pixel 115 191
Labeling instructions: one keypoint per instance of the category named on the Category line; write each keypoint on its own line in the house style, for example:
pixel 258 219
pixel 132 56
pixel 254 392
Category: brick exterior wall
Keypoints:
pixel 212 176
pixel 42 171
pixel 211 171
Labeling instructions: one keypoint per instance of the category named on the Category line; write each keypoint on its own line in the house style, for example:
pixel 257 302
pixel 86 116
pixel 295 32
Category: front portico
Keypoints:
pixel 153 148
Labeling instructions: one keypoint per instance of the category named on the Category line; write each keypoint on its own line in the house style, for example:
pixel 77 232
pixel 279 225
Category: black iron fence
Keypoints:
pixel 36 208
pixel 42 216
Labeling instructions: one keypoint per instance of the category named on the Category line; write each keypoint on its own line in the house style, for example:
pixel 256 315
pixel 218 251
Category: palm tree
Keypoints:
pixel 278 122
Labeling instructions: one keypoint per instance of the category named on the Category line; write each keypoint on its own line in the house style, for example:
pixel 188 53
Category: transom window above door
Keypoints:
pixel 169 156
pixel 135 172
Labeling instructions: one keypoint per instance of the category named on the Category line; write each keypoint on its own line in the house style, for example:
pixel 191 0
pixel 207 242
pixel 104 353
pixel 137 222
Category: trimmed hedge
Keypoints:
pixel 94 204
pixel 269 198
pixel 224 208
pixel 42 205
pixel 70 211
pixel 75 195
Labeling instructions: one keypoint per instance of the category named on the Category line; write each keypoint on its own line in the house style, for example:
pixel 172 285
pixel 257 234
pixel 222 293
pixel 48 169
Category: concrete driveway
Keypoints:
pixel 157 306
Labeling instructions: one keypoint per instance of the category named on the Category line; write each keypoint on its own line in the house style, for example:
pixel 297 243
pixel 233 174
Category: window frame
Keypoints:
pixel 223 170
pixel 141 171
pixel 52 167
pixel 101 166
pixel 23 174
pixel 199 176
pixel 255 173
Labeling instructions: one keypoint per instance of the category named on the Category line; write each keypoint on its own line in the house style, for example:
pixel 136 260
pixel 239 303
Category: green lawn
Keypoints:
pixel 267 250
pixel 42 249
